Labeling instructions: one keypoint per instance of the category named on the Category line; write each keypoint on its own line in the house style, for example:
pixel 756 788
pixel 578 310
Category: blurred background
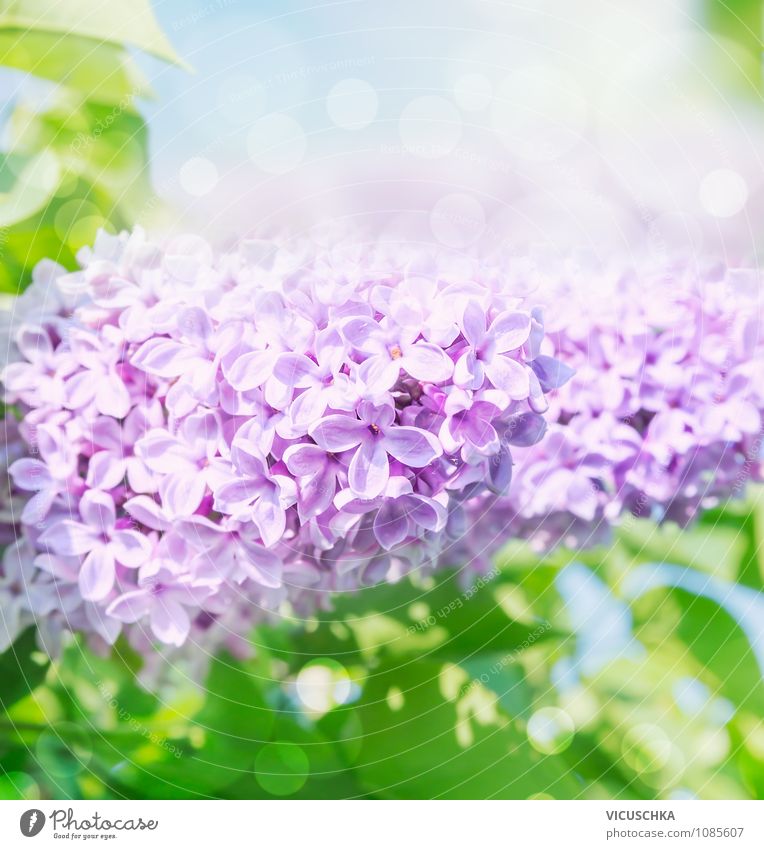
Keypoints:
pixel 627 128
pixel 618 126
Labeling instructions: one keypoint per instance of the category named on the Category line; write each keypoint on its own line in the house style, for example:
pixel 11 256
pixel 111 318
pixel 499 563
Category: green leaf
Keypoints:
pixel 506 679
pixel 741 22
pixel 106 147
pixel 446 620
pixel 752 572
pixel 595 765
pixel 713 548
pixel 101 71
pixel 19 673
pixel 727 662
pixel 108 20
pixel 25 245
pixel 28 184
pixel 429 734
pixel 235 707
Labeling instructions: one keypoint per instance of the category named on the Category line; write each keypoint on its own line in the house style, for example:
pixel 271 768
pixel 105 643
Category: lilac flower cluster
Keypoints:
pixel 208 437
pixel 663 417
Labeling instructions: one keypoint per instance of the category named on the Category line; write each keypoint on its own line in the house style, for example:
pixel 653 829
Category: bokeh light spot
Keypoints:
pixel 322 685
pixel 68 216
pixel 550 730
pixel 282 768
pixel 723 193
pixel 198 176
pixel 18 785
pixel 646 748
pixel 352 104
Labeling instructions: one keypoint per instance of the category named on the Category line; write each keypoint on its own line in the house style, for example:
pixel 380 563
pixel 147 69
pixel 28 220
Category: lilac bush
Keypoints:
pixel 663 416
pixel 197 439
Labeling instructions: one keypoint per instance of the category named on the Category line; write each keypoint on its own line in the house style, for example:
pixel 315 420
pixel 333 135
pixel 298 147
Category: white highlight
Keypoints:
pixel 352 104
pixel 198 176
pixel 723 193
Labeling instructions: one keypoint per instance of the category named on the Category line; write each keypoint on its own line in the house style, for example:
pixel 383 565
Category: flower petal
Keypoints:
pixel 380 372
pixel 391 525
pixel 97 510
pixel 369 470
pixel 295 370
pixel 481 433
pixel 38 506
pixel 30 475
pixel 362 333
pixel 524 429
pixel 412 445
pixel 169 621
pixel 472 323
pixel 305 459
pixel 236 496
pixel 509 376
pixel 427 362
pixel 69 538
pixel 537 401
pixel 10 625
pixel 146 511
pixel 269 517
pixel 552 373
pixel 105 471
pixel 263 566
pixel 250 370
pixel 79 390
pixel 33 342
pixel 164 453
pixel 131 606
pixel 309 406
pixel 201 431
pixel 500 471
pixel 195 324
pixel 510 330
pixel 317 493
pixel 164 357
pixel 468 371
pixel 182 494
pixel 112 397
pixel 338 433
pixel 426 512
pixel 105 626
pixel 582 498
pixel 130 548
pixel 97 574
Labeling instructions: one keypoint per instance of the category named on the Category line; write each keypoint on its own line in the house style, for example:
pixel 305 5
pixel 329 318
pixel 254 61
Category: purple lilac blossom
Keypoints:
pixel 663 417
pixel 202 439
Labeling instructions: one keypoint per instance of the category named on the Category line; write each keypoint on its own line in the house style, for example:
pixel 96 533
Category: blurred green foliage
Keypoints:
pixel 741 22
pixel 493 688
pixel 76 159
